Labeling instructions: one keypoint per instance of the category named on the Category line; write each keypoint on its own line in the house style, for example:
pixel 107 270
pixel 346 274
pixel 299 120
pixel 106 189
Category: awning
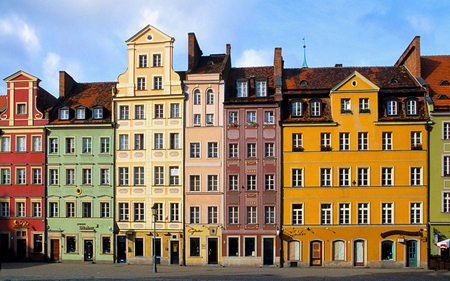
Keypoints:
pixel 445 244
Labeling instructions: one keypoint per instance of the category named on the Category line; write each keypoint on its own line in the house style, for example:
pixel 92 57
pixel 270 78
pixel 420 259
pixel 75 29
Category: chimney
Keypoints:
pixel 65 83
pixel 278 71
pixel 338 65
pixel 228 49
pixel 194 51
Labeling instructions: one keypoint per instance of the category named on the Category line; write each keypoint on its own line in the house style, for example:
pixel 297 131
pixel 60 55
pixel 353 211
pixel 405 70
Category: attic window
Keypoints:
pixel 303 83
pixel 210 62
pixel 98 112
pixel 444 83
pixel 354 83
pixel 442 97
pixel 80 113
pixel 63 114
pixel 394 81
pixel 149 37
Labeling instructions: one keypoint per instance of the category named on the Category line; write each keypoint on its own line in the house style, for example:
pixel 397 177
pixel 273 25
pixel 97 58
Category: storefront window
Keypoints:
pixel 106 245
pixel 195 247
pixel 37 243
pixel 387 250
pixel 71 244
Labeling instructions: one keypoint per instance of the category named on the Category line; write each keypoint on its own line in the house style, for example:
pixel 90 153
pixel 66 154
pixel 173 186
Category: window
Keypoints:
pixel 345 106
pixel 315 108
pixel 37 143
pixel 138 141
pixel 194 214
pixel 53 210
pixel 6 176
pixel 416 213
pixel 251 182
pixel 70 145
pixel 174 212
pixel 446 202
pixel 325 177
pixel 87 176
pixel 325 213
pixel 233 246
pixel 70 209
pixel 411 107
pixel 242 89
pixel 197 97
pixel 124 212
pixel 269 150
pixel 297 142
pixel 64 114
pixel 344 176
pixel 233 215
pixel 21 144
pixel 325 141
pixel 70 176
pixel 159 111
pixel 123 112
pixel 174 110
pixel 157 83
pixel 37 243
pixel 98 112
pixel 71 244
pixel 297 177
pixel 297 214
pixel 138 112
pixel 159 141
pixel 36 210
pixel 387 250
pixel 251 117
pixel 106 245
pixel 123 176
pixel 363 141
pixel 210 119
pixel 270 182
pixel 446 130
pixel 36 176
pixel 87 210
pixel 251 215
pixel 387 141
pixel 364 105
pixel 195 150
pixel 21 176
pixel 233 117
pixel 159 211
pixel 269 214
pixel 213 182
pixel 104 145
pixel 363 176
pixel 80 113
pixel 233 150
pixel 210 97
pixel 338 250
pixel 20 209
pixel 138 175
pixel 387 212
pixel 446 166
pixel 21 108
pixel 4 209
pixel 261 88
pixel 269 117
pixel 391 108
pixel 159 175
pixel 297 109
pixel 250 246
pixel 142 60
pixel 416 140
pixel 344 213
pixel 156 60
pixel 104 210
pixel 416 176
pixel 194 246
pixel 174 141
pixel 6 144
pixel 174 176
pixel 87 145
pixel 53 177
pixel 212 149
pixel 387 177
pixel 138 211
pixel 251 150
pixel 197 120
pixel 138 247
pixel 233 182
pixel 344 141
pixel 213 215
pixel 363 213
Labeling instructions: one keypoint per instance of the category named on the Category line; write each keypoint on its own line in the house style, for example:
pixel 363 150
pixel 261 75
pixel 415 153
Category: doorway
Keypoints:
pixel 359 253
pixel 316 253
pixel 4 246
pixel 268 251
pixel 54 253
pixel 121 249
pixel 21 249
pixel 88 250
pixel 212 251
pixel 174 252
pixel 411 253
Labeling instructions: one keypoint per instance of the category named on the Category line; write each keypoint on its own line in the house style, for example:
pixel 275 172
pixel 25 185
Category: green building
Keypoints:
pixel 80 173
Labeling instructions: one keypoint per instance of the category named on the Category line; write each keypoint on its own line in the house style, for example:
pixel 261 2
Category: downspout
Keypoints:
pixel 46 133
pixel 184 178
pixel 428 186
pixel 113 147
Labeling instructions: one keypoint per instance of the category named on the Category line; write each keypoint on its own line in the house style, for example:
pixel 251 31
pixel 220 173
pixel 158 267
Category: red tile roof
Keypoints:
pixel 2 102
pixel 210 64
pixel 250 73
pixel 434 70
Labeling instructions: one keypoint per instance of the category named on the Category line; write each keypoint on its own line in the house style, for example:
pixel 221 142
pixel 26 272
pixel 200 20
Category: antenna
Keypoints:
pixel 305 65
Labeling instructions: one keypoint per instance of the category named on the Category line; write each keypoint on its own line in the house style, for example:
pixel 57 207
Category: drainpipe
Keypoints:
pixel 113 147
pixel 428 187
pixel 46 133
pixel 183 187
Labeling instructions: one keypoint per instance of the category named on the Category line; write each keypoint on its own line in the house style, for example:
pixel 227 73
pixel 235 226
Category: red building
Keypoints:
pixel 22 167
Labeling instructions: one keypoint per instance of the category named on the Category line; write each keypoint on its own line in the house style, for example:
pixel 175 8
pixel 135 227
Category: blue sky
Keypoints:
pixel 86 38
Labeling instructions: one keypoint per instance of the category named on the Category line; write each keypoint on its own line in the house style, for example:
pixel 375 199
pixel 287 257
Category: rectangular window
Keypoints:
pixel 174 110
pixel 249 246
pixel 21 176
pixel 233 150
pixel 197 120
pixel 251 182
pixel 36 176
pixel 87 176
pixel 363 141
pixel 195 150
pixel 174 212
pixel 194 183
pixel 209 119
pixel 233 182
pixel 344 141
pixel 270 182
pixel 37 243
pixel 6 144
pixel 213 150
pixel 98 112
pixel 87 209
pixel 156 60
pixel 159 175
pixel 345 106
pixel 446 130
pixel 251 150
pixel 138 247
pixel 297 142
pixel 446 166
pixel 344 213
pixel 297 177
pixel 269 118
pixel 242 89
pixel 315 108
pixel 21 108
pixel 124 112
pixel 174 141
pixel 387 141
pixel 325 177
pixel 36 209
pixel 233 246
pixel 138 112
pixel 20 209
pixel 325 213
pixel 233 215
pixel 104 210
pixel 4 212
pixel 53 210
pixel 124 212
pixel 213 215
pixel 87 145
pixel 37 144
pixel 159 141
pixel 71 244
pixel 261 88
pixel 269 214
pixel 80 113
pixel 174 176
pixel 194 215
pixel 21 144
pixel 70 145
pixel 70 176
pixel 387 177
pixel 123 176
pixel 363 105
pixel 159 111
pixel 344 176
pixel 387 212
pixel 363 213
pixel 325 141
pixel 213 182
pixel 269 149
pixel 416 176
pixel 138 211
pixel 138 175
pixel 159 211
pixel 53 177
pixel 194 246
pixel 297 214
pixel 296 109
pixel 391 108
pixel 157 83
pixel 143 61
pixel 6 176
pixel 106 245
pixel 363 176
pixel 416 140
pixel 251 215
pixel 139 142
pixel 446 202
pixel 251 117
pixel 104 145
pixel 233 118
pixel 416 213
pixel 70 209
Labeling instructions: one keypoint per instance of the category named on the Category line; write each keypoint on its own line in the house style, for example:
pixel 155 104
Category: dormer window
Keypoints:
pixel 80 113
pixel 394 81
pixel 297 108
pixel 303 83
pixel 315 108
pixel 242 88
pixel 411 107
pixel 98 112
pixel 442 97
pixel 261 87
pixel 392 108
pixel 64 113
pixel 444 83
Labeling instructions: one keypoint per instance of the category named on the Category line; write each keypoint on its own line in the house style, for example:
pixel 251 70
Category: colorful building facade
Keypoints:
pixel 22 168
pixel 80 173
pixel 149 110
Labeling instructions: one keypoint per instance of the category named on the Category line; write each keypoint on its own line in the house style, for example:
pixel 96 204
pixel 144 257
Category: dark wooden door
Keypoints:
pixel 174 252
pixel 21 249
pixel 212 251
pixel 316 253
pixel 121 249
pixel 54 254
pixel 268 251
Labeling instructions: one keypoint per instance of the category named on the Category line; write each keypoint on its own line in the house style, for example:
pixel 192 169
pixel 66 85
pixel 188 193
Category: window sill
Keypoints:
pixel 105 185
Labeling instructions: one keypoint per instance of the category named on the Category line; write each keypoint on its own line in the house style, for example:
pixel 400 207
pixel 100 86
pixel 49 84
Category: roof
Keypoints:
pixel 435 69
pixel 2 103
pixel 210 64
pixel 88 95
pixel 250 73
pixel 45 100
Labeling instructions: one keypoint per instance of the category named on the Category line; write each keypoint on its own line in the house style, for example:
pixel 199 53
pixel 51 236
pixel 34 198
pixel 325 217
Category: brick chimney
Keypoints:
pixel 228 49
pixel 411 58
pixel 194 51
pixel 65 83
pixel 278 71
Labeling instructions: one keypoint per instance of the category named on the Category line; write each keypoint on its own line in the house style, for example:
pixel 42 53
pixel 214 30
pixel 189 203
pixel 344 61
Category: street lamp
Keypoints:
pixel 154 209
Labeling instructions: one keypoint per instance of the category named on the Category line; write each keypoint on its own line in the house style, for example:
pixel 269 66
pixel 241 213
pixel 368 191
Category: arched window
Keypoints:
pixel 315 108
pixel 387 250
pixel 197 97
pixel 294 251
pixel 338 250
pixel 392 107
pixel 297 108
pixel 210 96
pixel 411 107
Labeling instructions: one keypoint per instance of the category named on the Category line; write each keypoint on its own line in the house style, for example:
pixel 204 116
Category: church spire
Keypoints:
pixel 305 65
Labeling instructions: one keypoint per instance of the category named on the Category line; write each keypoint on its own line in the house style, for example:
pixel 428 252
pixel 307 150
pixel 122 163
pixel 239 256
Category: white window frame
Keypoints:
pixel 345 176
pixel 326 213
pixel 387 142
pixel 297 177
pixel 415 212
pixel 363 141
pixel 363 211
pixel 344 141
pixel 326 178
pixel 315 109
pixel 345 213
pixel 297 213
pixel 387 176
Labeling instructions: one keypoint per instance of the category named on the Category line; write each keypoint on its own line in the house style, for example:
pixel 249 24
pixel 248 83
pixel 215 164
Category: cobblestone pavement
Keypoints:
pixel 78 271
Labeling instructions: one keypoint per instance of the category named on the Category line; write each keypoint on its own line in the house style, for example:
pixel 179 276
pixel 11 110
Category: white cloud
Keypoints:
pixel 421 24
pixel 15 25
pixel 255 58
pixel 52 65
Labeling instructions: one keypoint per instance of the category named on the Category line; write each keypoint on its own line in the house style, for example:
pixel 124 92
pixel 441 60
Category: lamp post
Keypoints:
pixel 154 209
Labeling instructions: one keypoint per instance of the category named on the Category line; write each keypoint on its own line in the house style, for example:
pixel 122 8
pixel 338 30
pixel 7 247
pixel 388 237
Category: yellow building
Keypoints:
pixel 354 168
pixel 148 106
